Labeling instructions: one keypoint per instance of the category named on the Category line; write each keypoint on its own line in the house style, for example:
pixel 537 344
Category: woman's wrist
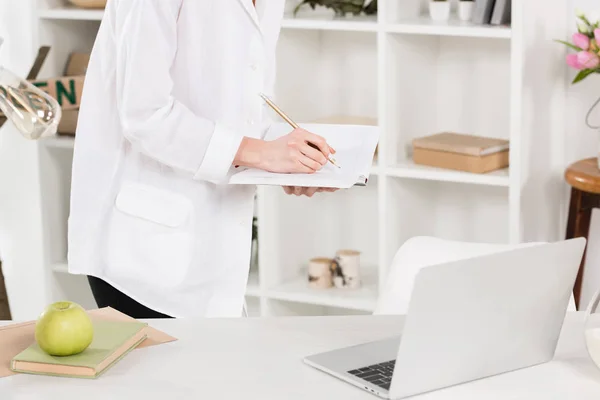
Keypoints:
pixel 249 153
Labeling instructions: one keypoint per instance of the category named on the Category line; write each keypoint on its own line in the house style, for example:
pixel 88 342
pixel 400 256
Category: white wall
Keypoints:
pixel 20 202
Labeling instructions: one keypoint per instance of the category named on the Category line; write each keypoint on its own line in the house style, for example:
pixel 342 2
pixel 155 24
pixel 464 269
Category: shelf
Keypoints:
pixel 59 142
pixel 253 287
pixel 298 291
pixel 421 26
pixel 71 13
pixel 414 171
pixel 326 23
pixel 425 26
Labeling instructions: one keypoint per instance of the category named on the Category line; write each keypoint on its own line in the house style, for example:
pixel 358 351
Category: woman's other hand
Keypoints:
pixel 306 191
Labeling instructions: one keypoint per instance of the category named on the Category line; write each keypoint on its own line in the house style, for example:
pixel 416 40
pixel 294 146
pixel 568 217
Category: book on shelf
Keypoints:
pixel 482 14
pixel 462 152
pixel 112 341
pixel 502 13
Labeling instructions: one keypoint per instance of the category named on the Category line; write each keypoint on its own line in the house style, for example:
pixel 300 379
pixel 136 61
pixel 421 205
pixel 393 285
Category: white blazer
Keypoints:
pixel 171 89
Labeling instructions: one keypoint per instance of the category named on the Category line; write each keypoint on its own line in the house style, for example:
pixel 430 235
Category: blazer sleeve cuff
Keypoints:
pixel 219 156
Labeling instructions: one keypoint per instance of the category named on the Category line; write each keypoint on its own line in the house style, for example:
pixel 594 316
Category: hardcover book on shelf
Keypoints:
pixel 461 152
pixel 483 11
pixel 502 13
pixel 112 341
pixel 461 143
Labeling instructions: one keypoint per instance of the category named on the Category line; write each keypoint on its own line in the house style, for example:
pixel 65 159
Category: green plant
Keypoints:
pixel 342 7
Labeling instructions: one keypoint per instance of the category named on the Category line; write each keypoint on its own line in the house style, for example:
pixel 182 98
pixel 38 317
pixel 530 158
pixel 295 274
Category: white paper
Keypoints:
pixel 355 146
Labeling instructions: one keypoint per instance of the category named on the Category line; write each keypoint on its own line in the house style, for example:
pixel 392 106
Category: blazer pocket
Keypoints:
pixel 150 236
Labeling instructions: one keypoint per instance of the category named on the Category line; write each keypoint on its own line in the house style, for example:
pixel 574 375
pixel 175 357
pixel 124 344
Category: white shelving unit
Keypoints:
pixel 414 77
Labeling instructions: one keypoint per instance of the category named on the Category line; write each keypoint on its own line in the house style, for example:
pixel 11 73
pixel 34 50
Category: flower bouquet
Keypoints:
pixel 586 60
pixel 586 43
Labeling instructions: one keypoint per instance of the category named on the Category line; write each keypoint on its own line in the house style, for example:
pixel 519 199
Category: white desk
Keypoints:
pixel 262 359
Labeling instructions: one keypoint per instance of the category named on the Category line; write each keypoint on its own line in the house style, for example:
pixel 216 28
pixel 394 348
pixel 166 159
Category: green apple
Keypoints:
pixel 64 329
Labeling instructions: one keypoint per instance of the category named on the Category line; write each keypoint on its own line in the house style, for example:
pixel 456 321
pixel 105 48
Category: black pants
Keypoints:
pixel 107 296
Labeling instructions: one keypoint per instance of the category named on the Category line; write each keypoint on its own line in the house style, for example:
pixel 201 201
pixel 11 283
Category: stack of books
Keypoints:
pixel 461 152
pixel 112 341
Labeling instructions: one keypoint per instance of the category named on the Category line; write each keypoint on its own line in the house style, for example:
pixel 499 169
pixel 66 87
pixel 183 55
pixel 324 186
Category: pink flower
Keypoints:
pixel 588 60
pixel 597 35
pixel 573 63
pixel 582 41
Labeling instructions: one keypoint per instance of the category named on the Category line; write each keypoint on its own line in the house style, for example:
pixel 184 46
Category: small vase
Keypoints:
pixel 439 10
pixel 465 10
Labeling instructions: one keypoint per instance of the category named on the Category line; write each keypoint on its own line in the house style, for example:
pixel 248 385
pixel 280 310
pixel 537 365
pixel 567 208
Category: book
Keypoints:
pixel 502 13
pixel 349 120
pixel 112 341
pixel 472 145
pixel 482 13
pixel 355 146
pixel 461 162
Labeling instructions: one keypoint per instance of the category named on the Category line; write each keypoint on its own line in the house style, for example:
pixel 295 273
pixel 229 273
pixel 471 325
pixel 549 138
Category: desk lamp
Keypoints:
pixel 34 113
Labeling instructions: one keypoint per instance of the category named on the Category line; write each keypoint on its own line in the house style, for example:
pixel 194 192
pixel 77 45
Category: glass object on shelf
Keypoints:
pixel 592 329
pixel 34 113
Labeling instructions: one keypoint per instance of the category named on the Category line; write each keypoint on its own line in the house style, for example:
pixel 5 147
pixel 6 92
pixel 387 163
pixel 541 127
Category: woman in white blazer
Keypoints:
pixel 170 107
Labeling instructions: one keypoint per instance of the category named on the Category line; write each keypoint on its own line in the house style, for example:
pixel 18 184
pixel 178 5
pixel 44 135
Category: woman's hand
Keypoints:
pixel 306 191
pixel 289 154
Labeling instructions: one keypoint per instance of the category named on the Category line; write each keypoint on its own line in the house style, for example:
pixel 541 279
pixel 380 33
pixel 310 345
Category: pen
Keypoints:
pixel 292 124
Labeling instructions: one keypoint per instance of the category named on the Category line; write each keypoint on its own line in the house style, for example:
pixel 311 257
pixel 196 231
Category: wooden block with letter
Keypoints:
pixel 66 90
pixel 461 152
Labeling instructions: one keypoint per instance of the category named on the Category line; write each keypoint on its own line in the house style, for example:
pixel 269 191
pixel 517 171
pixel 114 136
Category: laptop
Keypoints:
pixel 467 320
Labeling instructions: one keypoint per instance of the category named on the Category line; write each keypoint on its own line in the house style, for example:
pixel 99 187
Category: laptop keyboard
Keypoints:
pixel 377 374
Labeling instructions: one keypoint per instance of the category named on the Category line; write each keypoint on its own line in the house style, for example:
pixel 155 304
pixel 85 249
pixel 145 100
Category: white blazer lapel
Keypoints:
pixel 251 10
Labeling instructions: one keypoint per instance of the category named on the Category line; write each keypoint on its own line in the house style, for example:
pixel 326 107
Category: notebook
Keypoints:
pixel 502 13
pixel 355 146
pixel 471 145
pixel 15 338
pixel 112 341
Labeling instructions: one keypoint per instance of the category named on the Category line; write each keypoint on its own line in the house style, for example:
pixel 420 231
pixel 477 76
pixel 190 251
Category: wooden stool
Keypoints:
pixel 584 178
